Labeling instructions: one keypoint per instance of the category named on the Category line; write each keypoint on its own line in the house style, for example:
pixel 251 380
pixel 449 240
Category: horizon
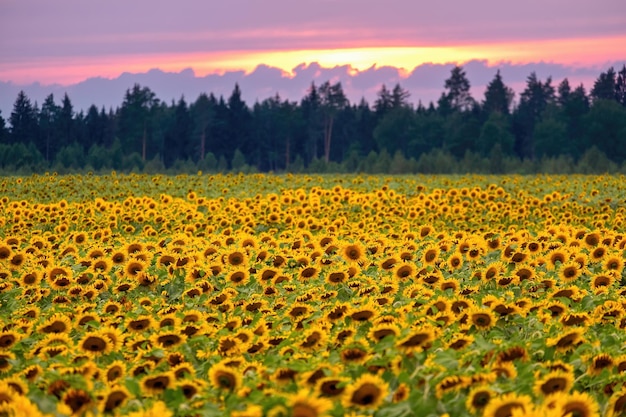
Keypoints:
pixel 425 83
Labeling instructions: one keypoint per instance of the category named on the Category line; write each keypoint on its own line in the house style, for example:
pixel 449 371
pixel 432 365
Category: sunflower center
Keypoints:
pixel 7 340
pixel 94 344
pixel 367 394
pixel 115 399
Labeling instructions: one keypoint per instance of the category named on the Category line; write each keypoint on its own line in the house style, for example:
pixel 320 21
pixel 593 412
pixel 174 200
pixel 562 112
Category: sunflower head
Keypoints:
pixel 305 404
pixel 553 382
pixel 367 392
pixel 224 378
pixel 353 252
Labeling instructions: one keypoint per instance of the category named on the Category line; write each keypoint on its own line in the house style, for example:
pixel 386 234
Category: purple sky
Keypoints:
pixel 69 41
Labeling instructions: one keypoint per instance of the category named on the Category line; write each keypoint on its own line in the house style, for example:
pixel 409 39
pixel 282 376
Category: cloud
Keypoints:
pixel 425 83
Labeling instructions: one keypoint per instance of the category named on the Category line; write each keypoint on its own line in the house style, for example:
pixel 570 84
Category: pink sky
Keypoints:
pixel 67 41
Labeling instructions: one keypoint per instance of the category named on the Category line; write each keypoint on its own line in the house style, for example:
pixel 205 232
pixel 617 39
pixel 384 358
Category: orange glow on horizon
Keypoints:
pixel 585 51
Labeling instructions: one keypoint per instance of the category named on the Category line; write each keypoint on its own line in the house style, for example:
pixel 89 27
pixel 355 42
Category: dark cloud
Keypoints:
pixel 425 83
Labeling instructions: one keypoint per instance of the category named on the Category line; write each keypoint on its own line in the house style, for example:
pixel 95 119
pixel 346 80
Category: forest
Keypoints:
pixel 547 129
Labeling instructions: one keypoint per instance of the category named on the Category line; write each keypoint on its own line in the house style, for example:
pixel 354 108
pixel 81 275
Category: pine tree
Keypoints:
pixel 498 96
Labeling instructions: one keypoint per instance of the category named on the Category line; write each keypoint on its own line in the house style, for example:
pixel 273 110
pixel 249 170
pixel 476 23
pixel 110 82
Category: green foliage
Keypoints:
pixel 549 130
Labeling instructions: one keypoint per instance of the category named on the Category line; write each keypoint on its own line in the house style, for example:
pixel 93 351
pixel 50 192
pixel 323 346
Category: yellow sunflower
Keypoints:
pixel 95 343
pixel 238 276
pixel 417 340
pixel 566 340
pixel 225 378
pixel 599 363
pixel 353 252
pixel 481 318
pixel 305 404
pixel 505 405
pixel 157 383
pixel 367 392
pixel 113 398
pixel 617 404
pixel 554 381
pixel 570 271
pixel 579 404
pixel 478 398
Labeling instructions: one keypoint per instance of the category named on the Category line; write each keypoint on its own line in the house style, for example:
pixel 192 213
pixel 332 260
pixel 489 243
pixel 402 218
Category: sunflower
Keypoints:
pixel 598 254
pixel 17 260
pixel 417 340
pixel 57 323
pixel 238 276
pixel 592 239
pixel 601 281
pixel 451 383
pixel 156 384
pixel 235 258
pixel 554 381
pixel 368 391
pixel 31 278
pixel 308 272
pixel 5 358
pixel 388 263
pixel 78 401
pixel 305 404
pixel 579 404
pixel 191 387
pixel 556 255
pixel 115 335
pixel 336 277
pixel 504 405
pixel 365 312
pixel 570 271
pixel 267 273
pixel 313 338
pixel 95 343
pixel 59 277
pixel 223 377
pixel 430 255
pixel 567 340
pixel 101 266
pixel 139 324
pixel 573 319
pixel 504 370
pixel 482 318
pixel 512 354
pixel 7 396
pixel 118 257
pixel 613 264
pixel 353 252
pixel 524 272
pixel 8 338
pixel 134 268
pixel 114 398
pixel 600 362
pixel 5 251
pixel 478 398
pixel 382 330
pixel 331 386
pixel 404 270
pixel 455 261
pixel 617 404
pixel 115 371
pixel 168 339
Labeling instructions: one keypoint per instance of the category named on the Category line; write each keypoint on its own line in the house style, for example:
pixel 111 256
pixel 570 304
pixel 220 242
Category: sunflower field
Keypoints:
pixel 302 295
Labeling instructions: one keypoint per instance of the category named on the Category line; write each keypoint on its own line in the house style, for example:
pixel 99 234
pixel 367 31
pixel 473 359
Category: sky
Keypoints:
pixel 66 42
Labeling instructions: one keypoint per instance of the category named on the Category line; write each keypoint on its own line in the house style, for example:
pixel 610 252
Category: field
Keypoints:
pixel 251 295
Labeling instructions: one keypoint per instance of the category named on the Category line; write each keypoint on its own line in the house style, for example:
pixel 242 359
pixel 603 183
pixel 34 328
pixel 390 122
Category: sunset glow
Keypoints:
pixel 67 70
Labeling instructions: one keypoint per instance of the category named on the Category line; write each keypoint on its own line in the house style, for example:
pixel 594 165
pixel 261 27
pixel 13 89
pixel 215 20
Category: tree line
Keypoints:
pixel 549 128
